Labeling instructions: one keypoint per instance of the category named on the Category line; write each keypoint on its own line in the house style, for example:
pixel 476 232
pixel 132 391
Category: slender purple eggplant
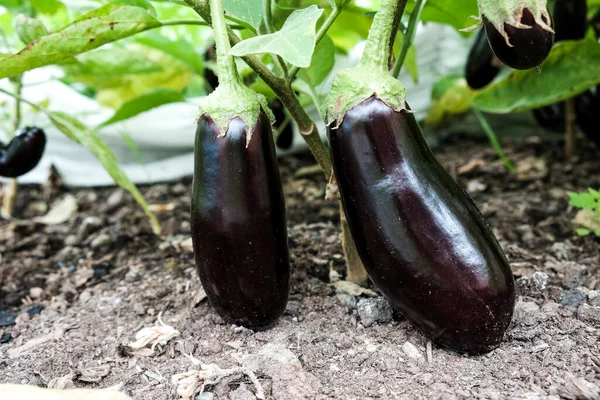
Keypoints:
pixel 238 223
pixel 481 69
pixel 238 212
pixel 420 237
pixel 422 240
pixel 570 23
pixel 570 19
pixel 23 153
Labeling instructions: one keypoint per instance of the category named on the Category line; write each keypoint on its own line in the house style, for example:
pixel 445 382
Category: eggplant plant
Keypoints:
pixel 405 221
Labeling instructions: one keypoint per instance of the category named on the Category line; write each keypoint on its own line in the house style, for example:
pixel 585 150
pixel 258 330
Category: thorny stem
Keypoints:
pixel 570 117
pixel 226 67
pixel 381 34
pixel 409 36
pixel 284 92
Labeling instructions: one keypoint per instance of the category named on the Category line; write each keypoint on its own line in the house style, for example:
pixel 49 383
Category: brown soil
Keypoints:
pixel 102 276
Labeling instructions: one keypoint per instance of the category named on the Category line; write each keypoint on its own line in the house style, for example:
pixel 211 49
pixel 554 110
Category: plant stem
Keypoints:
pixel 268 16
pixel 494 140
pixel 11 188
pixel 320 34
pixel 377 50
pixel 177 22
pixel 226 68
pixel 284 92
pixel 570 117
pixel 409 36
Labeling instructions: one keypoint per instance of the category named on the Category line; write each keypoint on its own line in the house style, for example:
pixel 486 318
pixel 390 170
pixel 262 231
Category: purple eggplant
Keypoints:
pixel 587 109
pixel 23 153
pixel 480 70
pixel 526 48
pixel 551 117
pixel 238 222
pixel 421 238
pixel 570 19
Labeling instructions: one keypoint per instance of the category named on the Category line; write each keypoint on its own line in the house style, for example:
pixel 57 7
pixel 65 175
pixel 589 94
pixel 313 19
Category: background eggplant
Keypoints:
pixel 551 117
pixel 422 240
pixel 480 70
pixel 570 19
pixel 570 23
pixel 587 109
pixel 530 47
pixel 238 223
pixel 23 153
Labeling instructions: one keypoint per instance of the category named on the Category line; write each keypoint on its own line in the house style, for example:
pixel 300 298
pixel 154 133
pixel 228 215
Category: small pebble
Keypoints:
pixel 411 351
pixel 374 310
pixel 101 241
pixel 36 293
pixel 572 298
pixel 139 309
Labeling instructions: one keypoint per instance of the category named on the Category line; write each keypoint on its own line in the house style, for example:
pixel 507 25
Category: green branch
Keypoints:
pixel 409 36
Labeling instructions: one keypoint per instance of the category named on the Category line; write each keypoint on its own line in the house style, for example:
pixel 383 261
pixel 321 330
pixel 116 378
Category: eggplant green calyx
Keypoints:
pixel 510 12
pixel 231 99
pixel 371 78
pixel 228 102
pixel 353 86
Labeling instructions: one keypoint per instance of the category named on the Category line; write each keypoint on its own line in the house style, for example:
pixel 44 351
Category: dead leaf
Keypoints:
pixel 94 374
pixel 587 219
pixel 153 336
pixel 60 212
pixel 26 392
pixel 352 289
pixel 531 169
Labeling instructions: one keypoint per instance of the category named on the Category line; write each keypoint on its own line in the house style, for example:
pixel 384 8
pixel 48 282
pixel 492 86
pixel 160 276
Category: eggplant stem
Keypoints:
pixel 381 35
pixel 226 68
pixel 355 270
pixel 570 142
pixel 12 187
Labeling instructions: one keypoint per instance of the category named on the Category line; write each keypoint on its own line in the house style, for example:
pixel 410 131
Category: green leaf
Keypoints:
pixel 295 42
pixel 148 101
pixel 179 49
pixel 249 11
pixel 29 29
pixel 455 12
pixel 79 133
pixel 583 232
pixel 595 194
pixel 77 38
pixel 48 7
pixel 571 68
pixel 322 61
pixel 582 200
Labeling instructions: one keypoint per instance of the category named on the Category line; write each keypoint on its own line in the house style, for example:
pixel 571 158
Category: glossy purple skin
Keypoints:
pixel 23 153
pixel 480 70
pixel 530 46
pixel 422 240
pixel 587 109
pixel 238 223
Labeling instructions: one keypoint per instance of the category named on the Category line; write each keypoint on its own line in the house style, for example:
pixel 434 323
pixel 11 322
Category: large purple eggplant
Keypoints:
pixel 238 223
pixel 422 240
pixel 23 153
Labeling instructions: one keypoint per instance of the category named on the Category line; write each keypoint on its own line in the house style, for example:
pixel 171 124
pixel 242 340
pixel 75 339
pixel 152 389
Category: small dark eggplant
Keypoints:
pixel 551 117
pixel 238 222
pixel 480 69
pixel 23 153
pixel 521 48
pixel 421 238
pixel 587 109
pixel 570 19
